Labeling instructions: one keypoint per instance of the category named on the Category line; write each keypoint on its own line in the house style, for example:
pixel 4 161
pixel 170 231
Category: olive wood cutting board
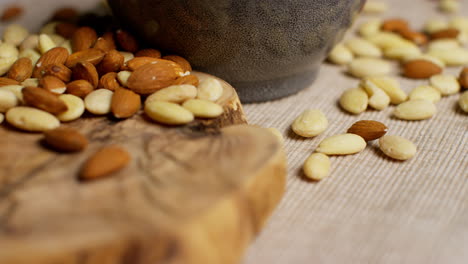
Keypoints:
pixel 192 194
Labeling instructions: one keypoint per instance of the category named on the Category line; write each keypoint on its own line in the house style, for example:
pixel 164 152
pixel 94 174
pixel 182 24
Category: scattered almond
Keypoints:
pixel 425 92
pixel 415 110
pixel 65 139
pixel 354 101
pixel 368 129
pixel 317 166
pixel 397 147
pixel 125 103
pixel 446 84
pixel 44 100
pixel 420 69
pixel 344 144
pixel 104 162
pixel 310 123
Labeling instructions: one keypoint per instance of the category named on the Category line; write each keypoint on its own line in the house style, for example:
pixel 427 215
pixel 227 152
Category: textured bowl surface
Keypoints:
pixel 266 49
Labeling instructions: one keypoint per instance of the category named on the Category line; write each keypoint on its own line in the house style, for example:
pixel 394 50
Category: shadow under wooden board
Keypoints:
pixel 192 194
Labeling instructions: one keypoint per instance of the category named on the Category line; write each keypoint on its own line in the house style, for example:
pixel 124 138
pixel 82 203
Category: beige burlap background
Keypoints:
pixel 371 209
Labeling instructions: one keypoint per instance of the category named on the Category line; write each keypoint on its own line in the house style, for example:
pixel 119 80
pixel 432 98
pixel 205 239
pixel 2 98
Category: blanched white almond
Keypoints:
pixel 128 56
pixel 399 53
pixel 49 28
pixel 15 34
pixel 203 108
pixel 123 77
pixel 425 92
pixel 31 54
pixel 277 134
pixel 310 123
pixel 317 166
pixel 363 48
pixel 435 24
pixel 391 87
pixel 386 40
pixel 6 63
pixel 367 67
pixel 397 147
pixel 168 113
pixel 7 100
pixel 463 101
pixel 99 101
pixel 31 119
pixel 451 57
pixel 45 43
pixel 375 7
pixel 415 110
pixel 443 44
pixel 30 42
pixel 446 84
pixel 16 90
pixel 378 99
pixel 8 50
pixel 30 82
pixel 370 27
pixel 75 107
pixel 210 89
pixel 57 39
pixel 174 94
pixel 67 45
pixel 340 55
pixel 354 100
pixel 344 144
pixel 449 6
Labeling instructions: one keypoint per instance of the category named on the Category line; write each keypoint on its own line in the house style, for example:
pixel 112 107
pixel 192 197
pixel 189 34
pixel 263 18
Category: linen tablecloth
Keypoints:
pixel 371 209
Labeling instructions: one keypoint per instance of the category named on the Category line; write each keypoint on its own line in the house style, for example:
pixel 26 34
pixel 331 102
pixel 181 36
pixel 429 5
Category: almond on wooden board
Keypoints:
pixel 21 70
pixel 65 139
pixel 368 129
pixel 188 79
pixel 86 71
pixel 126 41
pixel 93 56
pixel 153 53
pixel 56 55
pixel 112 62
pixel 179 60
pixel 4 81
pixel 104 162
pixel 83 38
pixel 463 78
pixel 125 103
pixel 420 69
pixel 109 81
pixel 79 88
pixel 57 70
pixel 154 76
pixel 43 99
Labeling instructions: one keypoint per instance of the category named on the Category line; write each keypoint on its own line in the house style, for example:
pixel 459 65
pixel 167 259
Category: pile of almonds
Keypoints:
pixel 57 75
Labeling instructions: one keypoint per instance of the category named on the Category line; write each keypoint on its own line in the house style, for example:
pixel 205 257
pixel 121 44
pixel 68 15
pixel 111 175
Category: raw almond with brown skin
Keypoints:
pixel 449 33
pixel 104 162
pixel 66 29
pixel 52 84
pixel 56 55
pixel 105 44
pixel 58 70
pixel 112 62
pixel 86 71
pixel 414 36
pixel 368 129
pixel 44 100
pixel 83 39
pixel 79 88
pixel 394 25
pixel 153 53
pixel 152 77
pixel 137 62
pixel 126 41
pixel 93 56
pixel 181 61
pixel 11 12
pixel 21 70
pixel 463 78
pixel 188 79
pixel 7 81
pixel 109 81
pixel 125 103
pixel 420 69
pixel 65 14
pixel 65 139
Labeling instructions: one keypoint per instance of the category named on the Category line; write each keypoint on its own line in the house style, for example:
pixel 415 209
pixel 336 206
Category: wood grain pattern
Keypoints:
pixel 192 194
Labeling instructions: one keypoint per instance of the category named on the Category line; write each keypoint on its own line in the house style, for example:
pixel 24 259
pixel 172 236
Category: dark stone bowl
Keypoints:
pixel 267 49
